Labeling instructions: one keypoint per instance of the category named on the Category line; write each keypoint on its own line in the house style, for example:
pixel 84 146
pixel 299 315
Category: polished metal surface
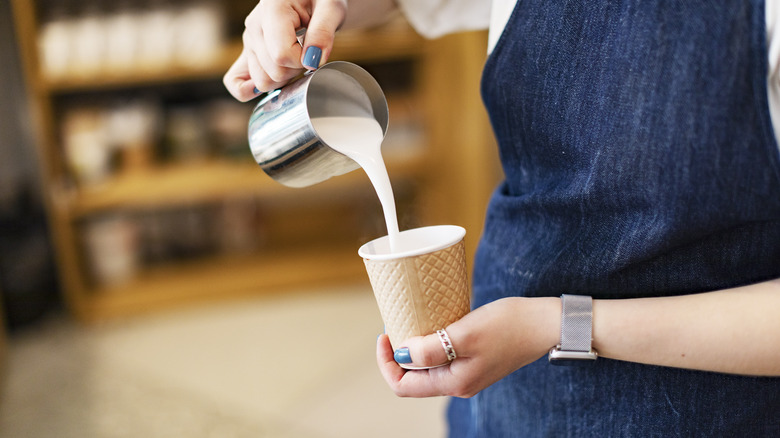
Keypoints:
pixel 282 138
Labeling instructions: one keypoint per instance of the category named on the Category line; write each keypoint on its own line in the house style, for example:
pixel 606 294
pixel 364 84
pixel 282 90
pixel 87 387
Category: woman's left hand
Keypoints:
pixel 490 342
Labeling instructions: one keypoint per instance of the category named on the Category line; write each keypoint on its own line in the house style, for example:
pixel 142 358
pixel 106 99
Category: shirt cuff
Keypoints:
pixel 435 18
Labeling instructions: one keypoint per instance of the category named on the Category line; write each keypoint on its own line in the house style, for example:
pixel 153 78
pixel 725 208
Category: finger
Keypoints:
pixel 266 74
pixel 238 81
pixel 267 78
pixel 326 18
pixel 426 351
pixel 404 383
pixel 279 23
pixel 390 370
pixel 270 44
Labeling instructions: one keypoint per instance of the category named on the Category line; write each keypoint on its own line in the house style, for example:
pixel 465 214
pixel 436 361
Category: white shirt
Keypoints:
pixel 434 18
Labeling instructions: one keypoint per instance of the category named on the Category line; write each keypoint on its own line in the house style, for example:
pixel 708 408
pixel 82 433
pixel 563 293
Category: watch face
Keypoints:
pixel 561 357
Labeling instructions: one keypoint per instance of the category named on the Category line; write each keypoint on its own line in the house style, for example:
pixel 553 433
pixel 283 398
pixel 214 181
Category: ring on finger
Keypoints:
pixel 447 344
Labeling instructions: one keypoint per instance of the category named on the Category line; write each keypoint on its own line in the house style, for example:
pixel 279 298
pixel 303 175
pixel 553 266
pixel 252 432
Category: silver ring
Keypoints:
pixel 447 344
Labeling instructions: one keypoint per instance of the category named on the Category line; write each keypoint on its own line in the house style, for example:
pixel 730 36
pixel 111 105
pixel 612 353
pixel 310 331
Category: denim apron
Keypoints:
pixel 640 161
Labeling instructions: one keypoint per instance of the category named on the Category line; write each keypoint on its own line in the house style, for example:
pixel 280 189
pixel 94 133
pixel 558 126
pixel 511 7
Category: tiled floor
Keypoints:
pixel 283 366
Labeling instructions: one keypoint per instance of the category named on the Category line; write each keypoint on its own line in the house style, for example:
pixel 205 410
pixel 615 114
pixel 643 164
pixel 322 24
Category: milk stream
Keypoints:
pixel 360 138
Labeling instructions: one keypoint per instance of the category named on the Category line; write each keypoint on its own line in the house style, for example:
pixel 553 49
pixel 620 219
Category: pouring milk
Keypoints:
pixel 360 138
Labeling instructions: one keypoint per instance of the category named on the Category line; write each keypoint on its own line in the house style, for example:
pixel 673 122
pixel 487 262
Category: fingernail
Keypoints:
pixel 256 91
pixel 311 58
pixel 402 355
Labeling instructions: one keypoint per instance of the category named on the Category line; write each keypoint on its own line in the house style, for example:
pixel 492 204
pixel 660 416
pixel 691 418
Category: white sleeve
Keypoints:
pixel 434 18
pixel 773 74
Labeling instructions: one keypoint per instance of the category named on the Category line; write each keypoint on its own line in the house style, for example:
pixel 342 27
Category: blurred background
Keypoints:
pixel 154 281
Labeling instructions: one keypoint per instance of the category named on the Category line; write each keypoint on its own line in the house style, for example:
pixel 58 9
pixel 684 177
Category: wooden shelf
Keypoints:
pixel 175 184
pixel 389 44
pixel 207 181
pixel 219 278
pixel 143 76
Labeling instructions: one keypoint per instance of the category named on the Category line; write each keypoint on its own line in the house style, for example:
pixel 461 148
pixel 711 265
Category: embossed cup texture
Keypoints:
pixel 420 294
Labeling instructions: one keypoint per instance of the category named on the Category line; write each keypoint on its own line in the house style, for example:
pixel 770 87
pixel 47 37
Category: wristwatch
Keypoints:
pixel 576 332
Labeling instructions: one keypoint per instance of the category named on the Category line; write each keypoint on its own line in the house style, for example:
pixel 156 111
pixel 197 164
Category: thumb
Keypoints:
pixel 422 351
pixel 326 18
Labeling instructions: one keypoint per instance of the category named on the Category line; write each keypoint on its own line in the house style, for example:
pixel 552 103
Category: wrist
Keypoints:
pixel 552 331
pixel 545 320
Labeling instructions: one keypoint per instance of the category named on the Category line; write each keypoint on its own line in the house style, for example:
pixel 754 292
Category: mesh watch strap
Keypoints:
pixel 576 332
pixel 576 322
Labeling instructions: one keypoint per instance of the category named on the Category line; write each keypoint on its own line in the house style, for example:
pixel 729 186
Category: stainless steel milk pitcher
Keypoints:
pixel 282 138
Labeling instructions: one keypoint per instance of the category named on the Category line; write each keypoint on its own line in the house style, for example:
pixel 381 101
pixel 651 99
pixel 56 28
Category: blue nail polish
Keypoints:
pixel 402 355
pixel 311 58
pixel 256 91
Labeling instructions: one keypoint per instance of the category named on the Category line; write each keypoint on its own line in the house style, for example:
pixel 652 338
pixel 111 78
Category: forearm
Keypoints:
pixel 368 13
pixel 732 331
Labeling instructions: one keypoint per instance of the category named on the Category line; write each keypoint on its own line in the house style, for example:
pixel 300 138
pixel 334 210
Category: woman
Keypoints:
pixel 642 171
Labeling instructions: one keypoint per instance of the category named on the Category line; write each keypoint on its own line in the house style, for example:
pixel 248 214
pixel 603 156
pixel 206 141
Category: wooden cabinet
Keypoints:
pixel 3 346
pixel 187 216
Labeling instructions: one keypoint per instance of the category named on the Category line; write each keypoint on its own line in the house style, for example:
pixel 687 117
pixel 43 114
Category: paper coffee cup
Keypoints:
pixel 422 285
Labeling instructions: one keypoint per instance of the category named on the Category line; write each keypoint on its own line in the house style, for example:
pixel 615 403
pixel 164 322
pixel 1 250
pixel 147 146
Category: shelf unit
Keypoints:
pixel 448 176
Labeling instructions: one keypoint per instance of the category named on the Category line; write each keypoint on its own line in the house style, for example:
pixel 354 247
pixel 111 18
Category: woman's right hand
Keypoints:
pixel 272 55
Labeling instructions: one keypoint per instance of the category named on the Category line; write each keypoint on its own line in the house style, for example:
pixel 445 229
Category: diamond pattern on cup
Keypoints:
pixel 443 277
pixel 446 285
pixel 394 300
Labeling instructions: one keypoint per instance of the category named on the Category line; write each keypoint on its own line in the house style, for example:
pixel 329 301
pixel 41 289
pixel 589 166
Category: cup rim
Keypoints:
pixel 443 236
